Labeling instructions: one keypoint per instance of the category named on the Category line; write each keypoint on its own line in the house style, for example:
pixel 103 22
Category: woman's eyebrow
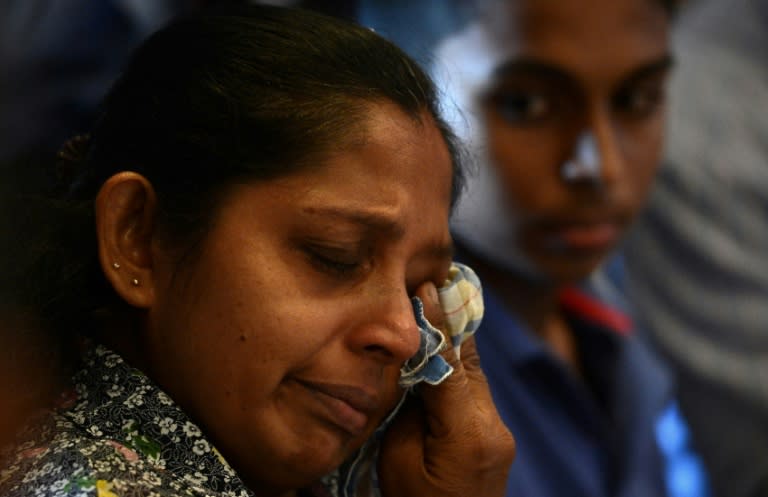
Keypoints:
pixel 379 220
pixel 384 222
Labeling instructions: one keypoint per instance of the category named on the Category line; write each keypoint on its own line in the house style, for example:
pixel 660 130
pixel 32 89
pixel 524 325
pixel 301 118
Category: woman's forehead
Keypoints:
pixel 395 156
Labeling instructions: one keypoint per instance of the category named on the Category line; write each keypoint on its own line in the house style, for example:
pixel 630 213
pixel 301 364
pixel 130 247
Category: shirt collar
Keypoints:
pixel 517 344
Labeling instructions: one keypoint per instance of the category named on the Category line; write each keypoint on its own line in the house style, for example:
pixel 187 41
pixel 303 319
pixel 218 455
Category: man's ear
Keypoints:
pixel 125 213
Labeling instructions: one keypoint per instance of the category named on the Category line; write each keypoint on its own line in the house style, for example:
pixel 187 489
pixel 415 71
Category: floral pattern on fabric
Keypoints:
pixel 119 435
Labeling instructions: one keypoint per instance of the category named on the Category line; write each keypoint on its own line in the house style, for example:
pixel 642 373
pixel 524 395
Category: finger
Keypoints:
pixel 427 292
pixel 465 393
pixel 435 314
pixel 470 361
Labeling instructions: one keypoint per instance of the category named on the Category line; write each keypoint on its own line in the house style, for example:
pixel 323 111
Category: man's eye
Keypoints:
pixel 639 102
pixel 522 108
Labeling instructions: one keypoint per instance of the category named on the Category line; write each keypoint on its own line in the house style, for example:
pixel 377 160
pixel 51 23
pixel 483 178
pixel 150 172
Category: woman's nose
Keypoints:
pixel 388 330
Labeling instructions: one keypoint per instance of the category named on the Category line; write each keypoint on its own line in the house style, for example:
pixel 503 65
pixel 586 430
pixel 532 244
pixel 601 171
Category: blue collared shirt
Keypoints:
pixel 620 437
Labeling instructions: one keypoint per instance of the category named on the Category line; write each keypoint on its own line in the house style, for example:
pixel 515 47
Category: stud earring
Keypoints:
pixel 135 282
pixel 116 265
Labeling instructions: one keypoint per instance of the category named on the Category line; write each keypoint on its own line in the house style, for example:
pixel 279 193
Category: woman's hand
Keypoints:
pixel 449 441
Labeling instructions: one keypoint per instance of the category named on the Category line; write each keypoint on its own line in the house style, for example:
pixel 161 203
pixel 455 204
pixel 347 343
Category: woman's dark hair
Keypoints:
pixel 239 93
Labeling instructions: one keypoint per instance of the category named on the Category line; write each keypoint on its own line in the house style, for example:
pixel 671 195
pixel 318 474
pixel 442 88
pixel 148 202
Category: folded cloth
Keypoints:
pixel 461 298
pixel 462 301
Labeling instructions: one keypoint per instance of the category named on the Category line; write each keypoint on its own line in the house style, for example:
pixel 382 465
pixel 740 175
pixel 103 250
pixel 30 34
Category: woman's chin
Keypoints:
pixel 315 455
pixel 292 477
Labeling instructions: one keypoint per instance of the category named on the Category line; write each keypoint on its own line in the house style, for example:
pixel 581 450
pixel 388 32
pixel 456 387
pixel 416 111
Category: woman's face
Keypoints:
pixel 284 338
pixel 580 84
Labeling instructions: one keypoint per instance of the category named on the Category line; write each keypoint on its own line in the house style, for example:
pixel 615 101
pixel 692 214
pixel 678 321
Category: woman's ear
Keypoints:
pixel 125 213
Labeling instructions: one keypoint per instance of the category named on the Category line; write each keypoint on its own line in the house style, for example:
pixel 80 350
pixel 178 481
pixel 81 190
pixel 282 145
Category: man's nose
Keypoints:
pixel 595 157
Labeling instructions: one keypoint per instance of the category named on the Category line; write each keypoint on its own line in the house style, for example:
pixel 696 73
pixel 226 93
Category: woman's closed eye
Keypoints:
pixel 335 261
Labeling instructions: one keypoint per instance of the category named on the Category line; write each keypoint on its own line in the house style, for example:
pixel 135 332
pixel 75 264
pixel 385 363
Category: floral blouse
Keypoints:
pixel 118 435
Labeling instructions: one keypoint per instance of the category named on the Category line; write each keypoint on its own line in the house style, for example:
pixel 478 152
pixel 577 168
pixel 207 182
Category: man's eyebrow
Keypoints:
pixel 541 68
pixel 650 69
pixel 532 66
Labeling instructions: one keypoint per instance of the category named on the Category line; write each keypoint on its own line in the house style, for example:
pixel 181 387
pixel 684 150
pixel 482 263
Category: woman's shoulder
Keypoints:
pixel 61 459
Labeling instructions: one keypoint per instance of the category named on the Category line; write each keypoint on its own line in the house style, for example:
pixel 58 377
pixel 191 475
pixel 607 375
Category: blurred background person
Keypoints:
pixel 569 132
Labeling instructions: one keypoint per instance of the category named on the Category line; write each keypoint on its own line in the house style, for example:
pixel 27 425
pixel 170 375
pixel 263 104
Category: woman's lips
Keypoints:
pixel 348 407
pixel 592 237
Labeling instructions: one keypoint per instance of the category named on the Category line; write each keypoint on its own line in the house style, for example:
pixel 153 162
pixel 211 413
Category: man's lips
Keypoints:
pixel 348 407
pixel 585 237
